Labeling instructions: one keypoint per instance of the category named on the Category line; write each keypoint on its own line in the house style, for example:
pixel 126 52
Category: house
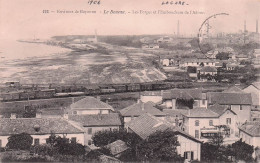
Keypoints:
pixel 90 105
pixel 203 123
pixel 147 124
pixel 147 40
pixel 231 66
pixel 131 112
pixel 208 70
pixel 150 46
pixel 174 117
pixel 171 97
pixel 200 62
pixel 117 147
pixel 240 103
pixel 250 133
pixel 94 123
pixel 168 61
pixel 39 128
pixel 254 89
pixel 241 57
pixel 153 96
pixel 165 39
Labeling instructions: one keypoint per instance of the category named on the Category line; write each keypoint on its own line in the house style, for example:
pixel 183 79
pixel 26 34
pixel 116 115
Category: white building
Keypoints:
pixel 204 123
pixel 94 123
pixel 90 105
pixel 40 129
pixel 131 112
pixel 254 89
pixel 240 103
pixel 146 124
pixel 170 98
pixel 250 133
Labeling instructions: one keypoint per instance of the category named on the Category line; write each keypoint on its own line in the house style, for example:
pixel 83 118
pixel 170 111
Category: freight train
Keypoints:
pixel 69 91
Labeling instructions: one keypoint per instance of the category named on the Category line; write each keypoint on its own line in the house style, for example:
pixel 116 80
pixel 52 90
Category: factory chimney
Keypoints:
pixel 245 26
pixel 178 28
pixel 256 30
pixel 96 36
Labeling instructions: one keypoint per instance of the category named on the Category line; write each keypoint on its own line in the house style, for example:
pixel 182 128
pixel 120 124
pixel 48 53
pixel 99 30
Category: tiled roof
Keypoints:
pixel 219 109
pixel 200 113
pixel 90 103
pixel 233 89
pixel 183 93
pixel 229 98
pixel 208 69
pixel 111 119
pixel 256 84
pixel 147 124
pixel 117 147
pixel 29 125
pixel 252 128
pixel 141 108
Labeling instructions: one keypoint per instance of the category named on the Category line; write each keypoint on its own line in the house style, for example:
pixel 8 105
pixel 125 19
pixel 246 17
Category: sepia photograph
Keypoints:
pixel 119 81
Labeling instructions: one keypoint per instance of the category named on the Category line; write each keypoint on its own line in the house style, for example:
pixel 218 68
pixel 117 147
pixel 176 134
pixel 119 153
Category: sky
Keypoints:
pixel 23 19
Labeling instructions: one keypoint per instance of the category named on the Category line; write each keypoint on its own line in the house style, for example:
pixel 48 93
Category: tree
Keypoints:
pixel 191 69
pixel 105 137
pixel 185 102
pixel 243 151
pixel 21 141
pixel 64 146
pixel 222 56
pixel 159 146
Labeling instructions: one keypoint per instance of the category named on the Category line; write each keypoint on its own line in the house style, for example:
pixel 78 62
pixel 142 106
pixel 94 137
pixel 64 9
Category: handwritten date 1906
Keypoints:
pixel 180 3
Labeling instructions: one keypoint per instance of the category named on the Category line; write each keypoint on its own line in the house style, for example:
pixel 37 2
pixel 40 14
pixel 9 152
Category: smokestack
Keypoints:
pixel 256 30
pixel 245 26
pixel 178 28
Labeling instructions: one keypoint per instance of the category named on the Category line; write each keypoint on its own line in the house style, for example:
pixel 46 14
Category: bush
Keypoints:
pixel 21 141
pixel 44 149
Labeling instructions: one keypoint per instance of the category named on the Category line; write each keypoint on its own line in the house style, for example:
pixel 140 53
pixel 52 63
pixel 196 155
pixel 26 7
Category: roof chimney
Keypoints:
pixel 38 115
pixel 66 115
pixel 13 116
pixel 142 105
pixel 99 116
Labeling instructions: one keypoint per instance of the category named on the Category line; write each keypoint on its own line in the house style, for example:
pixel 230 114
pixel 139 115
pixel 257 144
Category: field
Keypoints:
pixel 107 64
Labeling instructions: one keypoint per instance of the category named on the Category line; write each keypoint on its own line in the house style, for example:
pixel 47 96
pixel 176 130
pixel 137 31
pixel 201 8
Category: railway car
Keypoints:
pixel 119 88
pixel 133 87
pixel 27 95
pixel 10 96
pixel 47 93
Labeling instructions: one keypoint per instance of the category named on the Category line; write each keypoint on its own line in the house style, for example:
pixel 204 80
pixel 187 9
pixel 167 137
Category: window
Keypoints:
pixel 89 142
pixel 197 123
pixel 207 63
pixel 240 107
pixel 189 155
pixel 74 112
pixel 36 141
pixel 211 122
pixel 89 131
pixel 203 102
pixel 228 121
pixel 196 133
pixel 73 140
pixel 0 143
